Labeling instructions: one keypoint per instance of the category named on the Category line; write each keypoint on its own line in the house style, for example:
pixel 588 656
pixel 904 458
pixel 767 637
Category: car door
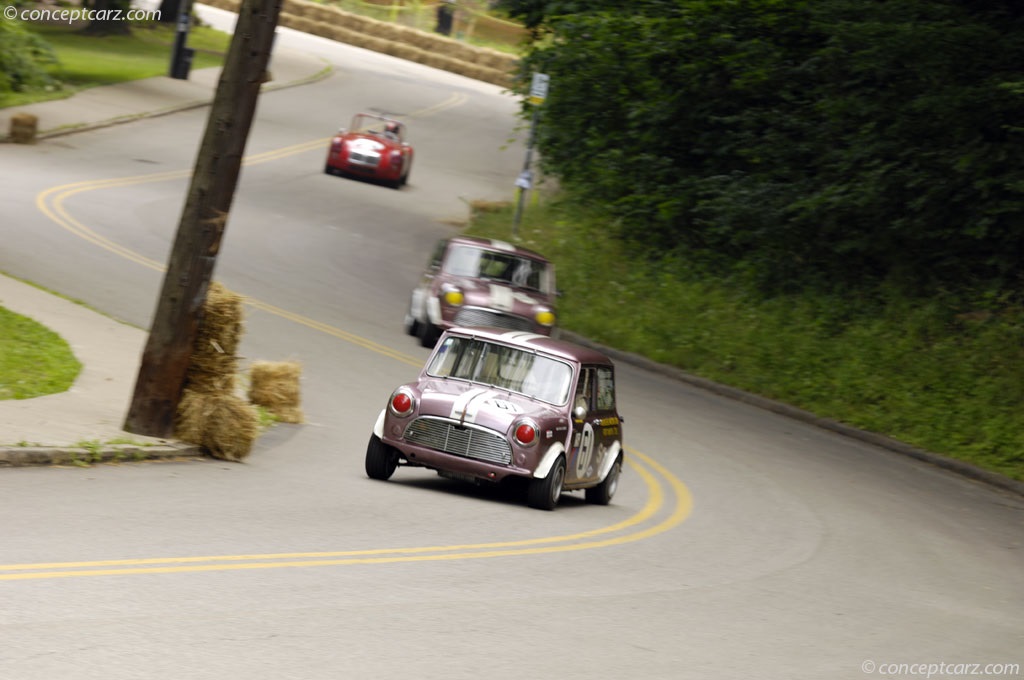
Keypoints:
pixel 595 423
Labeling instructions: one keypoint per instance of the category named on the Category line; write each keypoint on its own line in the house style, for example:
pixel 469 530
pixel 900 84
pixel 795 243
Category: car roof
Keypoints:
pixel 534 341
pixel 496 244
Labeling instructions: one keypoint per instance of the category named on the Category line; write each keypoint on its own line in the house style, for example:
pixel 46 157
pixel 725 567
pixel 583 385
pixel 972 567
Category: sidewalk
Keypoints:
pixel 112 104
pixel 83 424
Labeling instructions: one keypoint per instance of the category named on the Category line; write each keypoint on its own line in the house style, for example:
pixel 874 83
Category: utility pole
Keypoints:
pixel 168 350
pixel 181 56
pixel 538 93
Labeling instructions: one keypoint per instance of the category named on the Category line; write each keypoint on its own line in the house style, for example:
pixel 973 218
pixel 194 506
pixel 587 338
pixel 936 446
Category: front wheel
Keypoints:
pixel 381 459
pixel 603 492
pixel 428 333
pixel 543 494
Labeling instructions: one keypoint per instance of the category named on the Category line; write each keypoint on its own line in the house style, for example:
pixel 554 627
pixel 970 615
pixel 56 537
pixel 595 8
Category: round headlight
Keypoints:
pixel 401 403
pixel 545 317
pixel 526 433
pixel 454 297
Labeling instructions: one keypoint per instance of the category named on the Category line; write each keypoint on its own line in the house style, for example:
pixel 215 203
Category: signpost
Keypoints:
pixel 538 93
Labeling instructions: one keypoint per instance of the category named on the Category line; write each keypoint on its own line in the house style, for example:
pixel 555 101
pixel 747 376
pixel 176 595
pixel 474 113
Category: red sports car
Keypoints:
pixel 373 147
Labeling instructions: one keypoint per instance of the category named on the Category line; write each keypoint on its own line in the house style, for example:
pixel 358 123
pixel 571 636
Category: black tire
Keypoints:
pixel 428 334
pixel 381 459
pixel 543 494
pixel 603 492
pixel 328 170
pixel 412 326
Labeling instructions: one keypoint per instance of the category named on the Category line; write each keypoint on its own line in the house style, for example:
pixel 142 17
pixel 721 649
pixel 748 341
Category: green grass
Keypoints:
pixel 90 61
pixel 924 372
pixel 34 361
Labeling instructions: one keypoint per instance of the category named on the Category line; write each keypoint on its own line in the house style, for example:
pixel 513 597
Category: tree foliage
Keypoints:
pixel 23 58
pixel 800 141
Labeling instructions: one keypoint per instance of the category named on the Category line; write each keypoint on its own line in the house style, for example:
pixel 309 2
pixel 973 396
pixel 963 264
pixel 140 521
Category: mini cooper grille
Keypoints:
pixel 468 441
pixel 364 159
pixel 483 317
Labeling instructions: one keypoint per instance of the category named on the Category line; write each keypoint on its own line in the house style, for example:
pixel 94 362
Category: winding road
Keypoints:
pixel 741 544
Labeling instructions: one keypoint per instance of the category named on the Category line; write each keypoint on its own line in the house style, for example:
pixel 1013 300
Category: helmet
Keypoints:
pixel 392 127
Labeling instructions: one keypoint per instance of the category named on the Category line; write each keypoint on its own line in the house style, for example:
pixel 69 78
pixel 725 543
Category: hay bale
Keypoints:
pixel 213 365
pixel 274 385
pixel 188 421
pixel 231 427
pixel 224 425
pixel 23 128
pixel 221 329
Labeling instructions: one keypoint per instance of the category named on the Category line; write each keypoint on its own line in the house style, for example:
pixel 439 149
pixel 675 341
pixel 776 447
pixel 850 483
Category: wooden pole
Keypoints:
pixel 168 350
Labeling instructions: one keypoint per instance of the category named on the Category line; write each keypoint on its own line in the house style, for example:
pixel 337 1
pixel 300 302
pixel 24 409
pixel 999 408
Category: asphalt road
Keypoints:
pixel 741 544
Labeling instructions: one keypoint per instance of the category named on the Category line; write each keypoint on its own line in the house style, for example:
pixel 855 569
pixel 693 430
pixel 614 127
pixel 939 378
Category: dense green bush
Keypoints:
pixel 23 58
pixel 824 143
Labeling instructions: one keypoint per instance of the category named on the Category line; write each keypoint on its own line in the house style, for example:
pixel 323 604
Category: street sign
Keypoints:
pixel 539 88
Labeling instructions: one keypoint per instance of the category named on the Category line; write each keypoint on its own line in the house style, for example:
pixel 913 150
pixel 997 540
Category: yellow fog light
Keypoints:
pixel 453 297
pixel 546 318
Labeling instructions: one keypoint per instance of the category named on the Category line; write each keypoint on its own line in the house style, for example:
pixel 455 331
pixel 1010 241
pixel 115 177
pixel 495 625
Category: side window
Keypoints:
pixel 584 390
pixel 435 259
pixel 605 389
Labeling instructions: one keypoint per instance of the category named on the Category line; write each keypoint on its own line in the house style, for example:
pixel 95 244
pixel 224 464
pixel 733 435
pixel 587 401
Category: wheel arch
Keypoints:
pixel 548 460
pixel 614 451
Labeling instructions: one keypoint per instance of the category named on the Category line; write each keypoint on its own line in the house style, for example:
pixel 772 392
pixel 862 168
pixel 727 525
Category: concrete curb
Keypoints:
pixel 953 465
pixel 34 456
pixel 322 74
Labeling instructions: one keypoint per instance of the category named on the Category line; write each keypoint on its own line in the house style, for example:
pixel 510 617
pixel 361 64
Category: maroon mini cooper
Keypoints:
pixel 492 404
pixel 482 282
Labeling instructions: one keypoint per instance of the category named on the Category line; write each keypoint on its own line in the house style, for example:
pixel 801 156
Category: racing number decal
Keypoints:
pixel 585 450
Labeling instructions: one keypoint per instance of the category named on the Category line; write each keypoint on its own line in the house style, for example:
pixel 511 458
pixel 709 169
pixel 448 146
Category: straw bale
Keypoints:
pixel 224 425
pixel 191 415
pixel 212 374
pixel 23 128
pixel 231 427
pixel 221 328
pixel 296 9
pixel 213 364
pixel 274 385
pixel 299 23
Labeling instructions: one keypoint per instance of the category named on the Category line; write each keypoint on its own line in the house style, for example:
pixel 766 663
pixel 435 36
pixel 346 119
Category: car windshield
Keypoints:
pixel 373 125
pixel 507 267
pixel 504 367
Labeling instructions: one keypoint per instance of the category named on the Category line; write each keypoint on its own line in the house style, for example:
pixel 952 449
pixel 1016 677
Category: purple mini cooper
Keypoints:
pixel 482 282
pixel 492 404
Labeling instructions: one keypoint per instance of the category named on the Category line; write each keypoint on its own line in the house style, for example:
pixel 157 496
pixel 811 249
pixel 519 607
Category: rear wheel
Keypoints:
pixel 543 494
pixel 381 459
pixel 603 492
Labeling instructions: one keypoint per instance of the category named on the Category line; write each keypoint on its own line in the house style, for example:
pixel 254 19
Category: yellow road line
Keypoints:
pixel 535 546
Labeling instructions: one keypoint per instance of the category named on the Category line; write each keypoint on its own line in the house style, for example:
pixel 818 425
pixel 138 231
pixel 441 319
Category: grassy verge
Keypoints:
pixel 89 61
pixel 924 372
pixel 34 361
